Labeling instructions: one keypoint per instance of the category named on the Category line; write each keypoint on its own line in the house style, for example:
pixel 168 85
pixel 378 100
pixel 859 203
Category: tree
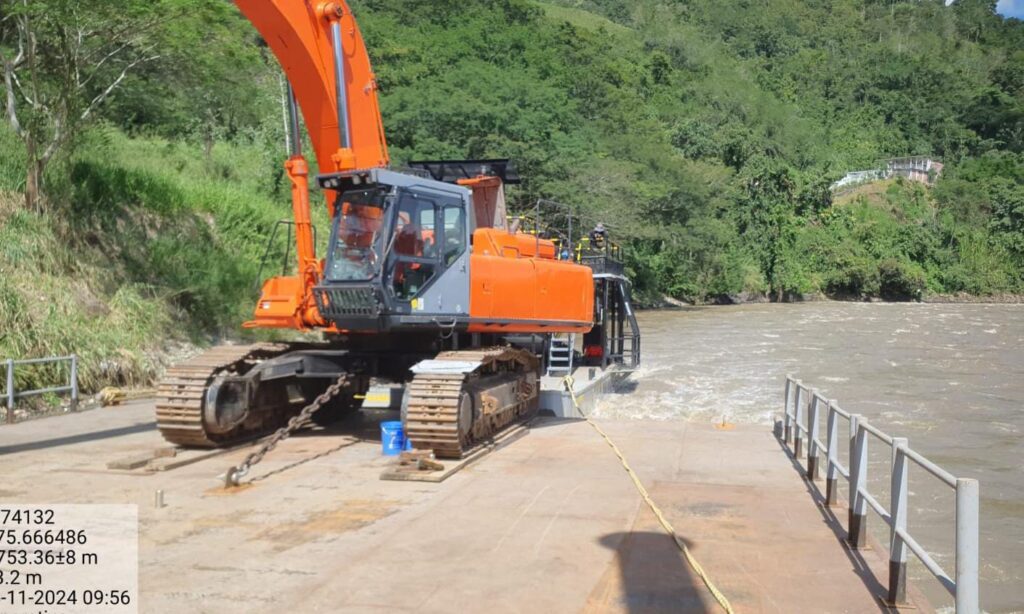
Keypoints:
pixel 1008 212
pixel 62 60
pixel 766 217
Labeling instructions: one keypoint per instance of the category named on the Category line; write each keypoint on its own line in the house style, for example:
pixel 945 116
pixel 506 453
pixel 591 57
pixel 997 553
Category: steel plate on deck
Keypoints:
pixel 446 366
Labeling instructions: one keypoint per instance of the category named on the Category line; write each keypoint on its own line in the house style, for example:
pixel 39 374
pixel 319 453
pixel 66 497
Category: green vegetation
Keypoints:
pixel 152 242
pixel 705 134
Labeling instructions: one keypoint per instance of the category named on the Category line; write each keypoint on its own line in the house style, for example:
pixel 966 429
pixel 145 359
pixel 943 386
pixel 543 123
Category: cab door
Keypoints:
pixel 427 272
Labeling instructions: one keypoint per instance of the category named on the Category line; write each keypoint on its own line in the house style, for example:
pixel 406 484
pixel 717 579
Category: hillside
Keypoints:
pixel 705 134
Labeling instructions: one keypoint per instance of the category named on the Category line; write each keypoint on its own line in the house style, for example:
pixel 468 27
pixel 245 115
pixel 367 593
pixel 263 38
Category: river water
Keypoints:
pixel 948 377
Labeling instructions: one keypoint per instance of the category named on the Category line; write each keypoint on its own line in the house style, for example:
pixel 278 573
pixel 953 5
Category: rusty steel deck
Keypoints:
pixel 550 523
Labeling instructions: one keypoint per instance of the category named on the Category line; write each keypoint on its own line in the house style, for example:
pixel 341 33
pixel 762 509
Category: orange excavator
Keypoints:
pixel 423 282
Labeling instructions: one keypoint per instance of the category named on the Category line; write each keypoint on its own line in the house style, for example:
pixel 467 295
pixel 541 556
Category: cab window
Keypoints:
pixel 454 234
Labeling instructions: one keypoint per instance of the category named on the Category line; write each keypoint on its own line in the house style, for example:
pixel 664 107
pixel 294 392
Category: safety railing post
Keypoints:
pixel 858 520
pixel 787 424
pixel 797 419
pixel 898 523
pixel 10 391
pixel 967 546
pixel 831 469
pixel 813 433
pixel 965 586
pixel 74 382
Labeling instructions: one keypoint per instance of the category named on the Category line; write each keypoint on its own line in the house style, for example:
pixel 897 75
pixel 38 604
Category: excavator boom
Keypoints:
pixel 344 124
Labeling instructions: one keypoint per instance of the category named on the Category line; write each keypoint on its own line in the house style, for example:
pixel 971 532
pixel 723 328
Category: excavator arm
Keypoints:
pixel 322 53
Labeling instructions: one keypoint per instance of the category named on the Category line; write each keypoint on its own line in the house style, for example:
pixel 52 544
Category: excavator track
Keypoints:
pixel 450 412
pixel 181 393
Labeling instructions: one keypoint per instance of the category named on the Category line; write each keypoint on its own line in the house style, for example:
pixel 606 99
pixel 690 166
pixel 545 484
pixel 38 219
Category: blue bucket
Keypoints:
pixel 392 437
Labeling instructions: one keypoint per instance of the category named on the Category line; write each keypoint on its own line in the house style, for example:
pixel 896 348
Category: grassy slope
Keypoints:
pixel 581 19
pixel 147 243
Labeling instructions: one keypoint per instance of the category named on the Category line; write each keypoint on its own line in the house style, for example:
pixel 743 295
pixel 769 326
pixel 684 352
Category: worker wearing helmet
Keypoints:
pixel 599 236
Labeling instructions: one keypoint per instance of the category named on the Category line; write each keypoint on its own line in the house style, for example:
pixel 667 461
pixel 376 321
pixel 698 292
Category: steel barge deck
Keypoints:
pixel 550 523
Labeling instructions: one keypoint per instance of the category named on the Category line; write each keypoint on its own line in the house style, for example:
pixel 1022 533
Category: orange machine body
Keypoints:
pixel 516 285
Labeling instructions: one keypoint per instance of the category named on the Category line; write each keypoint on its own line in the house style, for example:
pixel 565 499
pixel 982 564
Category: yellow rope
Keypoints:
pixel 719 597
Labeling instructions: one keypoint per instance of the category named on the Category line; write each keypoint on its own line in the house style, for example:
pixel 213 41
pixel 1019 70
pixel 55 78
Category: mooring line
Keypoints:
pixel 719 597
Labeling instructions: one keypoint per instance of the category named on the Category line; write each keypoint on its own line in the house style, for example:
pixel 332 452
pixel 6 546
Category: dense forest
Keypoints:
pixel 140 159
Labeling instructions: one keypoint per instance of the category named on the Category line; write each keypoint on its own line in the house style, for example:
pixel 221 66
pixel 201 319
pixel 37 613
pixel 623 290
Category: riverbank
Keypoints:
pixel 1003 298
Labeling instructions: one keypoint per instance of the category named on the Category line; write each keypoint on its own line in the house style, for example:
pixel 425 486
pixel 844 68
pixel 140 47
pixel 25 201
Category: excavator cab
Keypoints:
pixel 398 256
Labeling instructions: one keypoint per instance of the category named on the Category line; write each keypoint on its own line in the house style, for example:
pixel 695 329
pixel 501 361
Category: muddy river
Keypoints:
pixel 948 377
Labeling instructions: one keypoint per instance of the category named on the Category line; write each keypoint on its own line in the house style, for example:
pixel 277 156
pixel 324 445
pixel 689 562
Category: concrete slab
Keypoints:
pixel 550 523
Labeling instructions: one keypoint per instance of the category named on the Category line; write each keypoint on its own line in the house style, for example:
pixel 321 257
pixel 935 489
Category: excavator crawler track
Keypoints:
pixel 182 391
pixel 450 413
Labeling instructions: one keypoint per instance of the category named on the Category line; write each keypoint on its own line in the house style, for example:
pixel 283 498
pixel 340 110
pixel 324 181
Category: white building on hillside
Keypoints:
pixel 915 168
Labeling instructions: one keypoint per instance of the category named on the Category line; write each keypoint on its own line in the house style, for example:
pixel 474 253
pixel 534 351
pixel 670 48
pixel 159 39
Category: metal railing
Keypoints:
pixel 803 409
pixel 12 394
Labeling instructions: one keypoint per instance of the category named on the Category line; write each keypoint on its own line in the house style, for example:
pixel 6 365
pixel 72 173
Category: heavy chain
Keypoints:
pixel 235 474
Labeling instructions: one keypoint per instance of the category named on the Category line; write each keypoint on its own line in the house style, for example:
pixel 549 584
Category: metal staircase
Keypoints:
pixel 560 354
pixel 625 342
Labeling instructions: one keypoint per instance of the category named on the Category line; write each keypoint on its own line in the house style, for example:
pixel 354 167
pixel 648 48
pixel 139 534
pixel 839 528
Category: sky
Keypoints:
pixel 1011 8
pixel 1006 8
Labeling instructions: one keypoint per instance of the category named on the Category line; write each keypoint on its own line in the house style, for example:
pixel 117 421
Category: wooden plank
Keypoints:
pixel 408 474
pixel 140 460
pixel 179 426
pixel 168 458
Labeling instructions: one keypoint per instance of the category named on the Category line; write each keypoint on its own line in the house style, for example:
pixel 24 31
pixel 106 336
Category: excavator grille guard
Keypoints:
pixel 451 171
pixel 342 302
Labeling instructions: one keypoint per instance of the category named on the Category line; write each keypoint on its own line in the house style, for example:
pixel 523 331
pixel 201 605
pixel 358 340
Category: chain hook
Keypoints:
pixel 233 477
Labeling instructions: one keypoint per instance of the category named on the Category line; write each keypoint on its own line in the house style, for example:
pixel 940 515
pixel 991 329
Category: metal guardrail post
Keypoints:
pixel 813 432
pixel 831 470
pixel 797 415
pixel 10 391
pixel 967 546
pixel 787 425
pixel 901 543
pixel 74 382
pixel 852 454
pixel 898 523
pixel 858 520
